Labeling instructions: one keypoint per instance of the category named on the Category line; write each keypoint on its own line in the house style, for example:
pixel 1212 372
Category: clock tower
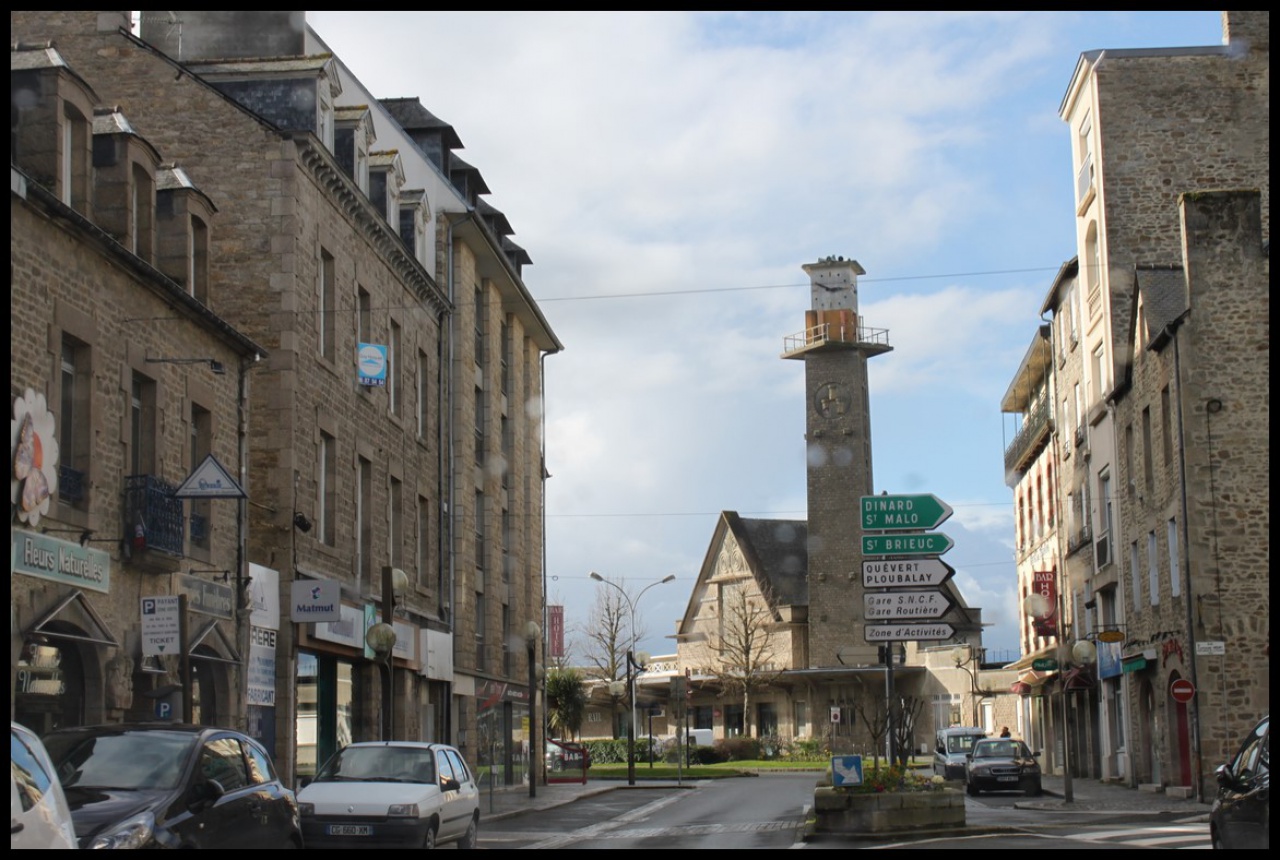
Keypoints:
pixel 835 346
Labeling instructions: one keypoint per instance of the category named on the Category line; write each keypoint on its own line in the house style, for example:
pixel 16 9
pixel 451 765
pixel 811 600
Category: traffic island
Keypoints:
pixel 841 811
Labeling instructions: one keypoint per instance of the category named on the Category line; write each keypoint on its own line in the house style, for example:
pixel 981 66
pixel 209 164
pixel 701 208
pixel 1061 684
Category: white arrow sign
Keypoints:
pixel 894 605
pixel 907 632
pixel 905 572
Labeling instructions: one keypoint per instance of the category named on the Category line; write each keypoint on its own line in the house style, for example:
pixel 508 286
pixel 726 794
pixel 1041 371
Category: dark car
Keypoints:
pixel 1002 764
pixel 1241 814
pixel 169 785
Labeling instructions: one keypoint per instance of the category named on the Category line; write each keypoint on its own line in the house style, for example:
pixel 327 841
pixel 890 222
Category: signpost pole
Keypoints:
pixel 188 708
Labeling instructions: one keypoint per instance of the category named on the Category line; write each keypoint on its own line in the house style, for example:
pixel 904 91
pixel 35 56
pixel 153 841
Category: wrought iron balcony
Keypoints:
pixel 1031 436
pixel 153 514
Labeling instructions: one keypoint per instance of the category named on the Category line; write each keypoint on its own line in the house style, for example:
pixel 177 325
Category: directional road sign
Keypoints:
pixel 929 543
pixel 925 511
pixel 896 573
pixel 907 632
pixel 897 605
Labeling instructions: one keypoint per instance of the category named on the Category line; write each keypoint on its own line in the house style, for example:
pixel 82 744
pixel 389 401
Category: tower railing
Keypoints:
pixel 829 333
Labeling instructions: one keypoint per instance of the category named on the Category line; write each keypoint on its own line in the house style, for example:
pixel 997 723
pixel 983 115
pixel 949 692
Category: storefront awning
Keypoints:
pixel 1137 661
pixel 75 610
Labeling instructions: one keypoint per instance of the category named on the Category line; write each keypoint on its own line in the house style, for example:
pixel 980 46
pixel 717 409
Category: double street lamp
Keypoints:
pixel 632 663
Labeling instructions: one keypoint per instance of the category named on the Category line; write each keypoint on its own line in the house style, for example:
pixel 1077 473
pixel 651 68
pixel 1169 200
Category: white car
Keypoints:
pixel 391 794
pixel 39 816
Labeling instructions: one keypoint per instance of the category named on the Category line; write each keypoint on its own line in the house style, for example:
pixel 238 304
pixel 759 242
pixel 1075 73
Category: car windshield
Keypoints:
pixel 1000 749
pixel 960 743
pixel 120 760
pixel 380 764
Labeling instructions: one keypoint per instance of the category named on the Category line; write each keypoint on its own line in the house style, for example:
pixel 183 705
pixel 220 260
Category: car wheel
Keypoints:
pixel 429 843
pixel 1215 839
pixel 971 789
pixel 471 837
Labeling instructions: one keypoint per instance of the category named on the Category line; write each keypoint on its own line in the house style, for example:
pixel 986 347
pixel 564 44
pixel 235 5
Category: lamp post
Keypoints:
pixel 381 639
pixel 531 635
pixel 631 684
pixel 975 689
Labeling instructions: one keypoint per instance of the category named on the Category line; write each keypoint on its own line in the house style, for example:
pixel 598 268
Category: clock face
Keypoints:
pixel 831 400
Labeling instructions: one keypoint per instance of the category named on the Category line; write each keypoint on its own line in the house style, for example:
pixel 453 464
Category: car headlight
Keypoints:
pixel 982 771
pixel 306 810
pixel 133 832
pixel 402 810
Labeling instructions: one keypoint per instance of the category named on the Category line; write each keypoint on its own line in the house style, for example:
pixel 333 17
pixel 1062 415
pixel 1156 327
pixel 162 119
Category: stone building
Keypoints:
pixel 124 385
pixel 390 428
pixel 1147 126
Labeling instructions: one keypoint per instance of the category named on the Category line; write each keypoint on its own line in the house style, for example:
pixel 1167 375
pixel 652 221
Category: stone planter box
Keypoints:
pixel 842 811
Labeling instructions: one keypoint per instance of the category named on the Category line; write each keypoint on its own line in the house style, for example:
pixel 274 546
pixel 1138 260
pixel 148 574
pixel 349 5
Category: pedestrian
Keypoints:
pixel 1004 733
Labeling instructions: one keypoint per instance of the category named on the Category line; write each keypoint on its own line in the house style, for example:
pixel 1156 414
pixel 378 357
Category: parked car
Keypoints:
pixel 950 748
pixel 1241 813
pixel 39 816
pixel 170 785
pixel 1002 764
pixel 391 794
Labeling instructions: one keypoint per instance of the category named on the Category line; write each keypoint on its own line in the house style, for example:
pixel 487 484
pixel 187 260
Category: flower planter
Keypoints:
pixel 842 811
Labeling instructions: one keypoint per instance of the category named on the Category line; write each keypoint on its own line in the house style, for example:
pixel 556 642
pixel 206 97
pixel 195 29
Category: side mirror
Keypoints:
pixel 1223 773
pixel 206 793
pixel 449 784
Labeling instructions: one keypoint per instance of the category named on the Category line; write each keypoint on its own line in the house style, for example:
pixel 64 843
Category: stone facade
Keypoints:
pixel 306 264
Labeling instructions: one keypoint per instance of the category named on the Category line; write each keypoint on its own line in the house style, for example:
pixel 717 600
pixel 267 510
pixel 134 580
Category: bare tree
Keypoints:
pixel 607 636
pixel 904 727
pixel 744 646
pixel 875 716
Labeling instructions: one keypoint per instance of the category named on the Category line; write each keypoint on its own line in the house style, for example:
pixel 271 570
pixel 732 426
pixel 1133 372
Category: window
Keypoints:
pixel 800 716
pixel 364 520
pixel 328 311
pixel 479 532
pixel 364 315
pixel 1153 569
pixel 1171 540
pixel 1135 576
pixel 223 761
pixel 1148 470
pixel 74 423
pixel 1166 425
pixel 478 429
pixel 201 442
pixel 506 359
pixel 198 273
pixel 395 522
pixel 508 451
pixel 393 370
pixel 142 425
pixel 142 213
pixel 1128 460
pixel 506 545
pixel 75 163
pixel 479 326
pixel 1084 149
pixel 480 661
pixel 1098 375
pixel 424 540
pixel 423 393
pixel 507 643
pixel 326 472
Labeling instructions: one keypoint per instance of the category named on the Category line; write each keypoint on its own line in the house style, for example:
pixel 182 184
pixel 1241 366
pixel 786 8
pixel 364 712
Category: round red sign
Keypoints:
pixel 1182 690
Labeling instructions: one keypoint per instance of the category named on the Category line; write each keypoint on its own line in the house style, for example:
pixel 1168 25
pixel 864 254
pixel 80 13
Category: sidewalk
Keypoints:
pixel 506 801
pixel 1090 795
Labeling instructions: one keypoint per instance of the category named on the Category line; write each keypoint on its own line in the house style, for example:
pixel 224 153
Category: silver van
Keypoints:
pixel 951 747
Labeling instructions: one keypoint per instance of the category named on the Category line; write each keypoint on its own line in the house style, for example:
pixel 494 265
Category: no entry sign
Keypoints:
pixel 1182 690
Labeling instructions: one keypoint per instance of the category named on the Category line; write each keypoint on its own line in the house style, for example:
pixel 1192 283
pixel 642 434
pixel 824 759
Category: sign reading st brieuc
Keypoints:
pixel 888 513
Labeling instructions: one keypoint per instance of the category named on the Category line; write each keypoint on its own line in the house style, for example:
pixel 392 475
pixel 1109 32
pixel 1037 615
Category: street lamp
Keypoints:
pixel 531 635
pixel 381 639
pixel 631 683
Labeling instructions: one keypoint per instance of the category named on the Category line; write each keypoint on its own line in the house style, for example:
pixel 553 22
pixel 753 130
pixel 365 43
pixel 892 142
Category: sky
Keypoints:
pixel 670 172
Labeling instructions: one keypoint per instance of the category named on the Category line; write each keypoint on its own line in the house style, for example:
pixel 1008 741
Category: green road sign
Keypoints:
pixel 924 511
pixel 1046 664
pixel 931 543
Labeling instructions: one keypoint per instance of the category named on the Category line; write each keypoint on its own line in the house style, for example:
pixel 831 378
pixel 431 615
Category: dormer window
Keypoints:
pixel 386 176
pixel 125 167
pixel 183 216
pixel 352 139
pixel 414 215
pixel 51 127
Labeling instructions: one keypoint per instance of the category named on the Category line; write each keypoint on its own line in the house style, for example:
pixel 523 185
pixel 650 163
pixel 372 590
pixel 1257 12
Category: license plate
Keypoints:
pixel 349 830
pixel 1006 779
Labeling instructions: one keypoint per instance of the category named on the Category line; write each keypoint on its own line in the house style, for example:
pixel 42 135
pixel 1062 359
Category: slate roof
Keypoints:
pixel 412 116
pixel 1164 297
pixel 779 551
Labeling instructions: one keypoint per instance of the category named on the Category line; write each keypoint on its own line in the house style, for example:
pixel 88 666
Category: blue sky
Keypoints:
pixel 670 172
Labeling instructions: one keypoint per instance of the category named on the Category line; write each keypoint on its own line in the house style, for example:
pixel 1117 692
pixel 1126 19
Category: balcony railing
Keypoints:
pixel 827 333
pixel 1031 435
pixel 1084 179
pixel 153 514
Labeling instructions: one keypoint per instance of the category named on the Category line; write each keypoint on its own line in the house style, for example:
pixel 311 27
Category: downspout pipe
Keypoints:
pixel 1193 707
